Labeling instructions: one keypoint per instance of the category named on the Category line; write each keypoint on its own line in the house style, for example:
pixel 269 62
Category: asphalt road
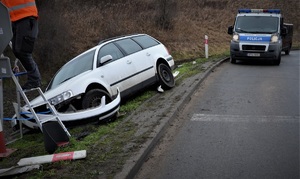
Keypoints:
pixel 242 122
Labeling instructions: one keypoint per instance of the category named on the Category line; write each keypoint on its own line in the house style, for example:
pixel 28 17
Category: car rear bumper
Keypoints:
pixel 171 62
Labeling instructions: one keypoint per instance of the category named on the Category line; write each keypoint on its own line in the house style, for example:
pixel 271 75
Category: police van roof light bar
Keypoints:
pixel 276 11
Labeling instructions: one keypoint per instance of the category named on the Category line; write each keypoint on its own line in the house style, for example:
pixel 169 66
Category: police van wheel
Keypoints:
pixel 287 52
pixel 278 60
pixel 232 60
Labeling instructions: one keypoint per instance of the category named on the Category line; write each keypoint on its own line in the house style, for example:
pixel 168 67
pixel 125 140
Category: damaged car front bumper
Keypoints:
pixel 102 112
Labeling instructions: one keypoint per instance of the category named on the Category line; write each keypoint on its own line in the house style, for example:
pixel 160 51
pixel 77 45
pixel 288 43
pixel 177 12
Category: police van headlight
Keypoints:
pixel 236 37
pixel 274 38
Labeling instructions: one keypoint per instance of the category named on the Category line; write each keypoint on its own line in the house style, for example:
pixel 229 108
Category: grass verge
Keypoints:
pixel 108 145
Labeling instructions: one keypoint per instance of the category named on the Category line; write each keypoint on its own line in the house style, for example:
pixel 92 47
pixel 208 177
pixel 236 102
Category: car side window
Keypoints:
pixel 145 41
pixel 129 46
pixel 109 49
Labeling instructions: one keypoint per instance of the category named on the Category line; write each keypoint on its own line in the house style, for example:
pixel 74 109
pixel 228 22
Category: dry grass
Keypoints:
pixel 68 27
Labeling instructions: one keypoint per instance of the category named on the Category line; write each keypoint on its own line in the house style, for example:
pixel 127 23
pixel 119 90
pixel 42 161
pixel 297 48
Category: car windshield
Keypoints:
pixel 256 24
pixel 73 68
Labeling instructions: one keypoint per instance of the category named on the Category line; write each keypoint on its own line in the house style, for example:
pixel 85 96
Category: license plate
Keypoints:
pixel 253 54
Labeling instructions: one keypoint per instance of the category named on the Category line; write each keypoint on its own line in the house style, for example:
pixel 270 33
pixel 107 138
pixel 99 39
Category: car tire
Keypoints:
pixel 232 60
pixel 166 78
pixel 278 60
pixel 287 52
pixel 93 98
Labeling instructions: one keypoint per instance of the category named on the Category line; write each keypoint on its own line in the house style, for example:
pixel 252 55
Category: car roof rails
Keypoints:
pixel 116 37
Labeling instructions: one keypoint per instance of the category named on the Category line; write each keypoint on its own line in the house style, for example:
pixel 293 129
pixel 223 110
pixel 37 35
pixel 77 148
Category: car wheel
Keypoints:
pixel 278 60
pixel 166 77
pixel 93 98
pixel 232 60
pixel 287 52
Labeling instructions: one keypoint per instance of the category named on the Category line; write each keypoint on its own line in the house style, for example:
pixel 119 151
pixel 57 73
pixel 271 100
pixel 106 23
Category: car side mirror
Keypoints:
pixel 230 30
pixel 284 31
pixel 106 58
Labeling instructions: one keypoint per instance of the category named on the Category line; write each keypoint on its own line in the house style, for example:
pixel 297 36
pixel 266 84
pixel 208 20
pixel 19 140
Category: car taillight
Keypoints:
pixel 167 50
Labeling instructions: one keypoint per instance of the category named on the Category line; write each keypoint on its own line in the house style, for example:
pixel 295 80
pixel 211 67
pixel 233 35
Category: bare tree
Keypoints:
pixel 166 13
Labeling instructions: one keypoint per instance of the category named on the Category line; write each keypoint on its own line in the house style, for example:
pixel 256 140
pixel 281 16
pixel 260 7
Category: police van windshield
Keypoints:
pixel 256 24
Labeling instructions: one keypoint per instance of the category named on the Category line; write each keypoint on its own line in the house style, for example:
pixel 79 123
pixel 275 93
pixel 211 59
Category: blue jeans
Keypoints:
pixel 25 32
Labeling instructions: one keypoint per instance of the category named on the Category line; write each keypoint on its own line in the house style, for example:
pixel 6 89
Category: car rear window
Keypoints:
pixel 129 46
pixel 145 41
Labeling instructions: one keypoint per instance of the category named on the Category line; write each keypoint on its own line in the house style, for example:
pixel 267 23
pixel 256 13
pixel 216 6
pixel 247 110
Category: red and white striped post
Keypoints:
pixel 206 45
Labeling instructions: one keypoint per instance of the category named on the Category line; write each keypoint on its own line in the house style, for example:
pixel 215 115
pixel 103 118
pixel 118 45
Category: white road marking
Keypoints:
pixel 243 118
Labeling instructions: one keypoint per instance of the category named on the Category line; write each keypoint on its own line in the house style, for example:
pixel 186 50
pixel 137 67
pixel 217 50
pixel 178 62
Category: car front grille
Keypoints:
pixel 254 47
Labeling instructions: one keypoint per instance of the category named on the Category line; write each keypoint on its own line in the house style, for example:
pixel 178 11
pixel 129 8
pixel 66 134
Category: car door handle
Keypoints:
pixel 148 54
pixel 128 61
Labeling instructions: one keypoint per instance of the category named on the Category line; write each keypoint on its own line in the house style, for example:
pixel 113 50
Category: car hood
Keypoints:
pixel 76 84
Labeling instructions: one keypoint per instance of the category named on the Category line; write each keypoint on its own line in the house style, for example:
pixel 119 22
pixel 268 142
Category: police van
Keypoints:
pixel 259 34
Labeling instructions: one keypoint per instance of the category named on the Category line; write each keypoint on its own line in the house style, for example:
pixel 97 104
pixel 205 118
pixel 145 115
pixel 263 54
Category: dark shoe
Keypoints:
pixel 28 86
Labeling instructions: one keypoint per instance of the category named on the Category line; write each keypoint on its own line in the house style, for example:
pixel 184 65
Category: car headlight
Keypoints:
pixel 61 97
pixel 274 38
pixel 236 38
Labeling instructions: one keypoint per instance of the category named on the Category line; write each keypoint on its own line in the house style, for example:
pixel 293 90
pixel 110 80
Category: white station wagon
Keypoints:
pixel 115 68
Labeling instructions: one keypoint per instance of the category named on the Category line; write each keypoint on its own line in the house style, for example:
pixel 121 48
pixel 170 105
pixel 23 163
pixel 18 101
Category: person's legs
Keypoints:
pixel 24 34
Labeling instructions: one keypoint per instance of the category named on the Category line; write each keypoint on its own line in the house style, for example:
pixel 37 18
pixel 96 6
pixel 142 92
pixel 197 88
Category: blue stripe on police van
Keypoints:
pixel 255 38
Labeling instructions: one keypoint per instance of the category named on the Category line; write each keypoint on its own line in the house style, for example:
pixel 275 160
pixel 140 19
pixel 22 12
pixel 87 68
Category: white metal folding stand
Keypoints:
pixel 55 133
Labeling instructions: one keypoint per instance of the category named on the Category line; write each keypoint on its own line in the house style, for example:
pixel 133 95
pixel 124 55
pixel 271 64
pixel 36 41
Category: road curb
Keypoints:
pixel 135 162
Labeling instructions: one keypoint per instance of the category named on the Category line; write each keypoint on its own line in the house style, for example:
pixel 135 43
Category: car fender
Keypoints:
pixel 160 57
pixel 76 85
pixel 158 53
pixel 80 84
